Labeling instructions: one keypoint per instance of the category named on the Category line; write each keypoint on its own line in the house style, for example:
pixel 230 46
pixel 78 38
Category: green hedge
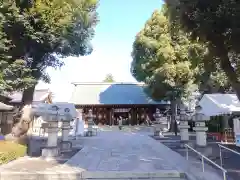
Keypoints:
pixel 10 151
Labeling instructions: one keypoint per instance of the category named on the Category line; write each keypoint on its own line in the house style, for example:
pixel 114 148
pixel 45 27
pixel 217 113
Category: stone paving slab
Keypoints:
pixel 119 154
pixel 119 151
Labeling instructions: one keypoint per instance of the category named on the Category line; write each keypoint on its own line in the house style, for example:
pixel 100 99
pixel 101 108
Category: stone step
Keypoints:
pixel 85 175
pixel 133 175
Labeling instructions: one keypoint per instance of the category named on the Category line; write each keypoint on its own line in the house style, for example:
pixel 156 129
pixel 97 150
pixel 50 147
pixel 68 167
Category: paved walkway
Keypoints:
pixel 129 153
pixel 117 154
pixel 117 151
pixel 125 155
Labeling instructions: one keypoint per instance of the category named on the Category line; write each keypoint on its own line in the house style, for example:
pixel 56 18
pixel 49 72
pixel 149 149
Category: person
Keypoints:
pixel 175 128
pixel 120 121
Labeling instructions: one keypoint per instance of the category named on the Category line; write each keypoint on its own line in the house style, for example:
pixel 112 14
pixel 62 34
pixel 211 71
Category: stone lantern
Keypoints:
pixel 183 126
pixel 66 119
pixel 50 115
pixel 90 121
pixel 200 126
pixel 160 123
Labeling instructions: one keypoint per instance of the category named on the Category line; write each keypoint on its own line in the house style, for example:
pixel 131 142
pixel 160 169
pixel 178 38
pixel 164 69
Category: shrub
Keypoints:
pixel 10 151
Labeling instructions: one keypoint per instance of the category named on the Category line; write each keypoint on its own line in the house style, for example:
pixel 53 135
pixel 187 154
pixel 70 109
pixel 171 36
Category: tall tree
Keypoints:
pixel 109 78
pixel 45 31
pixel 216 24
pixel 162 58
pixel 13 72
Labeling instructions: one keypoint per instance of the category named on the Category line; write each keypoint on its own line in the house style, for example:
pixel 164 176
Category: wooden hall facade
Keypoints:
pixel 109 101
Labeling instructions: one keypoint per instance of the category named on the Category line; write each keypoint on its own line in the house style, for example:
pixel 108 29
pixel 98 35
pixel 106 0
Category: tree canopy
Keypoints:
pixel 216 24
pixel 42 32
pixel 161 58
pixel 109 78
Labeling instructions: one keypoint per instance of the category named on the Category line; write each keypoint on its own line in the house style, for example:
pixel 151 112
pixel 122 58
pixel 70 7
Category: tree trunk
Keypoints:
pixel 27 97
pixel 20 129
pixel 173 127
pixel 230 72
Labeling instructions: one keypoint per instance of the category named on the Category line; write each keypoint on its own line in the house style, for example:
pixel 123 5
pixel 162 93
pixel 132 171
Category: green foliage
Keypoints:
pixel 10 151
pixel 109 78
pixel 14 74
pixel 42 32
pixel 162 58
pixel 216 24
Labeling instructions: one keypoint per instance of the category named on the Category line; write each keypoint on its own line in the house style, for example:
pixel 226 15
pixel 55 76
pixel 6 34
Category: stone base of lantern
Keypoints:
pixel 158 129
pixel 66 146
pixel 50 152
pixel 184 131
pixel 201 137
pixel 90 133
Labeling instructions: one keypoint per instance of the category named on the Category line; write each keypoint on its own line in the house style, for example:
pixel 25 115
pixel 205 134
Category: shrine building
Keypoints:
pixel 112 100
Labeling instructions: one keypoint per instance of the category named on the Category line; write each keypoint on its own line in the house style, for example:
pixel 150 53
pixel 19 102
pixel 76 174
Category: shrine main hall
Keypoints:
pixel 109 101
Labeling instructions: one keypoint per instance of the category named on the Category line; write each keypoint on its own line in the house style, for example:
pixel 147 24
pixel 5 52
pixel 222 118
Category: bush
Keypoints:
pixel 10 151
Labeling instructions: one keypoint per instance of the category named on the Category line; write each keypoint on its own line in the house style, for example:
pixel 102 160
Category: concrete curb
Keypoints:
pixel 74 175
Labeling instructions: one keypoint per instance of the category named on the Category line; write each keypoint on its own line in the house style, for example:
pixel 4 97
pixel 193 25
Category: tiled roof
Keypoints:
pixel 39 95
pixel 110 93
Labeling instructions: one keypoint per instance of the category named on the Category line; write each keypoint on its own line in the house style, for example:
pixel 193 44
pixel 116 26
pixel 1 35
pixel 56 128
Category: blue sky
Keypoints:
pixel 119 22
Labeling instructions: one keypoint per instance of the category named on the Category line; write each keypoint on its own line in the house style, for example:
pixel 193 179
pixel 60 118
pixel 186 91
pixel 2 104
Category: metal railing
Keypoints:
pixel 224 171
pixel 226 148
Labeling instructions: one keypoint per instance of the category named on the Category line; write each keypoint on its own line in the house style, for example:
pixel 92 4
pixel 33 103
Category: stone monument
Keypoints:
pixel 200 127
pixel 183 126
pixel 66 119
pixel 90 117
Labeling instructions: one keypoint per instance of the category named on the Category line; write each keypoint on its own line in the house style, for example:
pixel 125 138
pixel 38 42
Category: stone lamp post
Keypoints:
pixel 66 119
pixel 183 126
pixel 90 121
pixel 200 126
pixel 160 123
pixel 50 115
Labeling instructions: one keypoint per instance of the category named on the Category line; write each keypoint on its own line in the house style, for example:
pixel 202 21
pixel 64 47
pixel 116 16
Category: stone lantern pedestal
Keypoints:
pixel 183 126
pixel 66 145
pixel 90 130
pixel 66 119
pixel 50 116
pixel 158 124
pixel 201 137
pixel 52 149
pixel 200 127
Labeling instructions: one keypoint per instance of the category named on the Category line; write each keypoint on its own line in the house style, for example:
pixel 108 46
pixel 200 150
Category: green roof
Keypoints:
pixel 110 93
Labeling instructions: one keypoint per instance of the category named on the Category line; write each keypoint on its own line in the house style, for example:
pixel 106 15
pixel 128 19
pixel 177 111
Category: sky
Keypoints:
pixel 119 23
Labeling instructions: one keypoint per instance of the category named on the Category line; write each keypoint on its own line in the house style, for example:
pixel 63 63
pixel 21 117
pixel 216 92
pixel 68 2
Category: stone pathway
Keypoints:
pixel 119 155
pixel 113 154
pixel 117 151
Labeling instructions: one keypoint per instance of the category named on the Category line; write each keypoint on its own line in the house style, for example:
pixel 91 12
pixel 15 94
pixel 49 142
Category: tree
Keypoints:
pixel 14 75
pixel 109 78
pixel 45 31
pixel 41 33
pixel 162 58
pixel 216 24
